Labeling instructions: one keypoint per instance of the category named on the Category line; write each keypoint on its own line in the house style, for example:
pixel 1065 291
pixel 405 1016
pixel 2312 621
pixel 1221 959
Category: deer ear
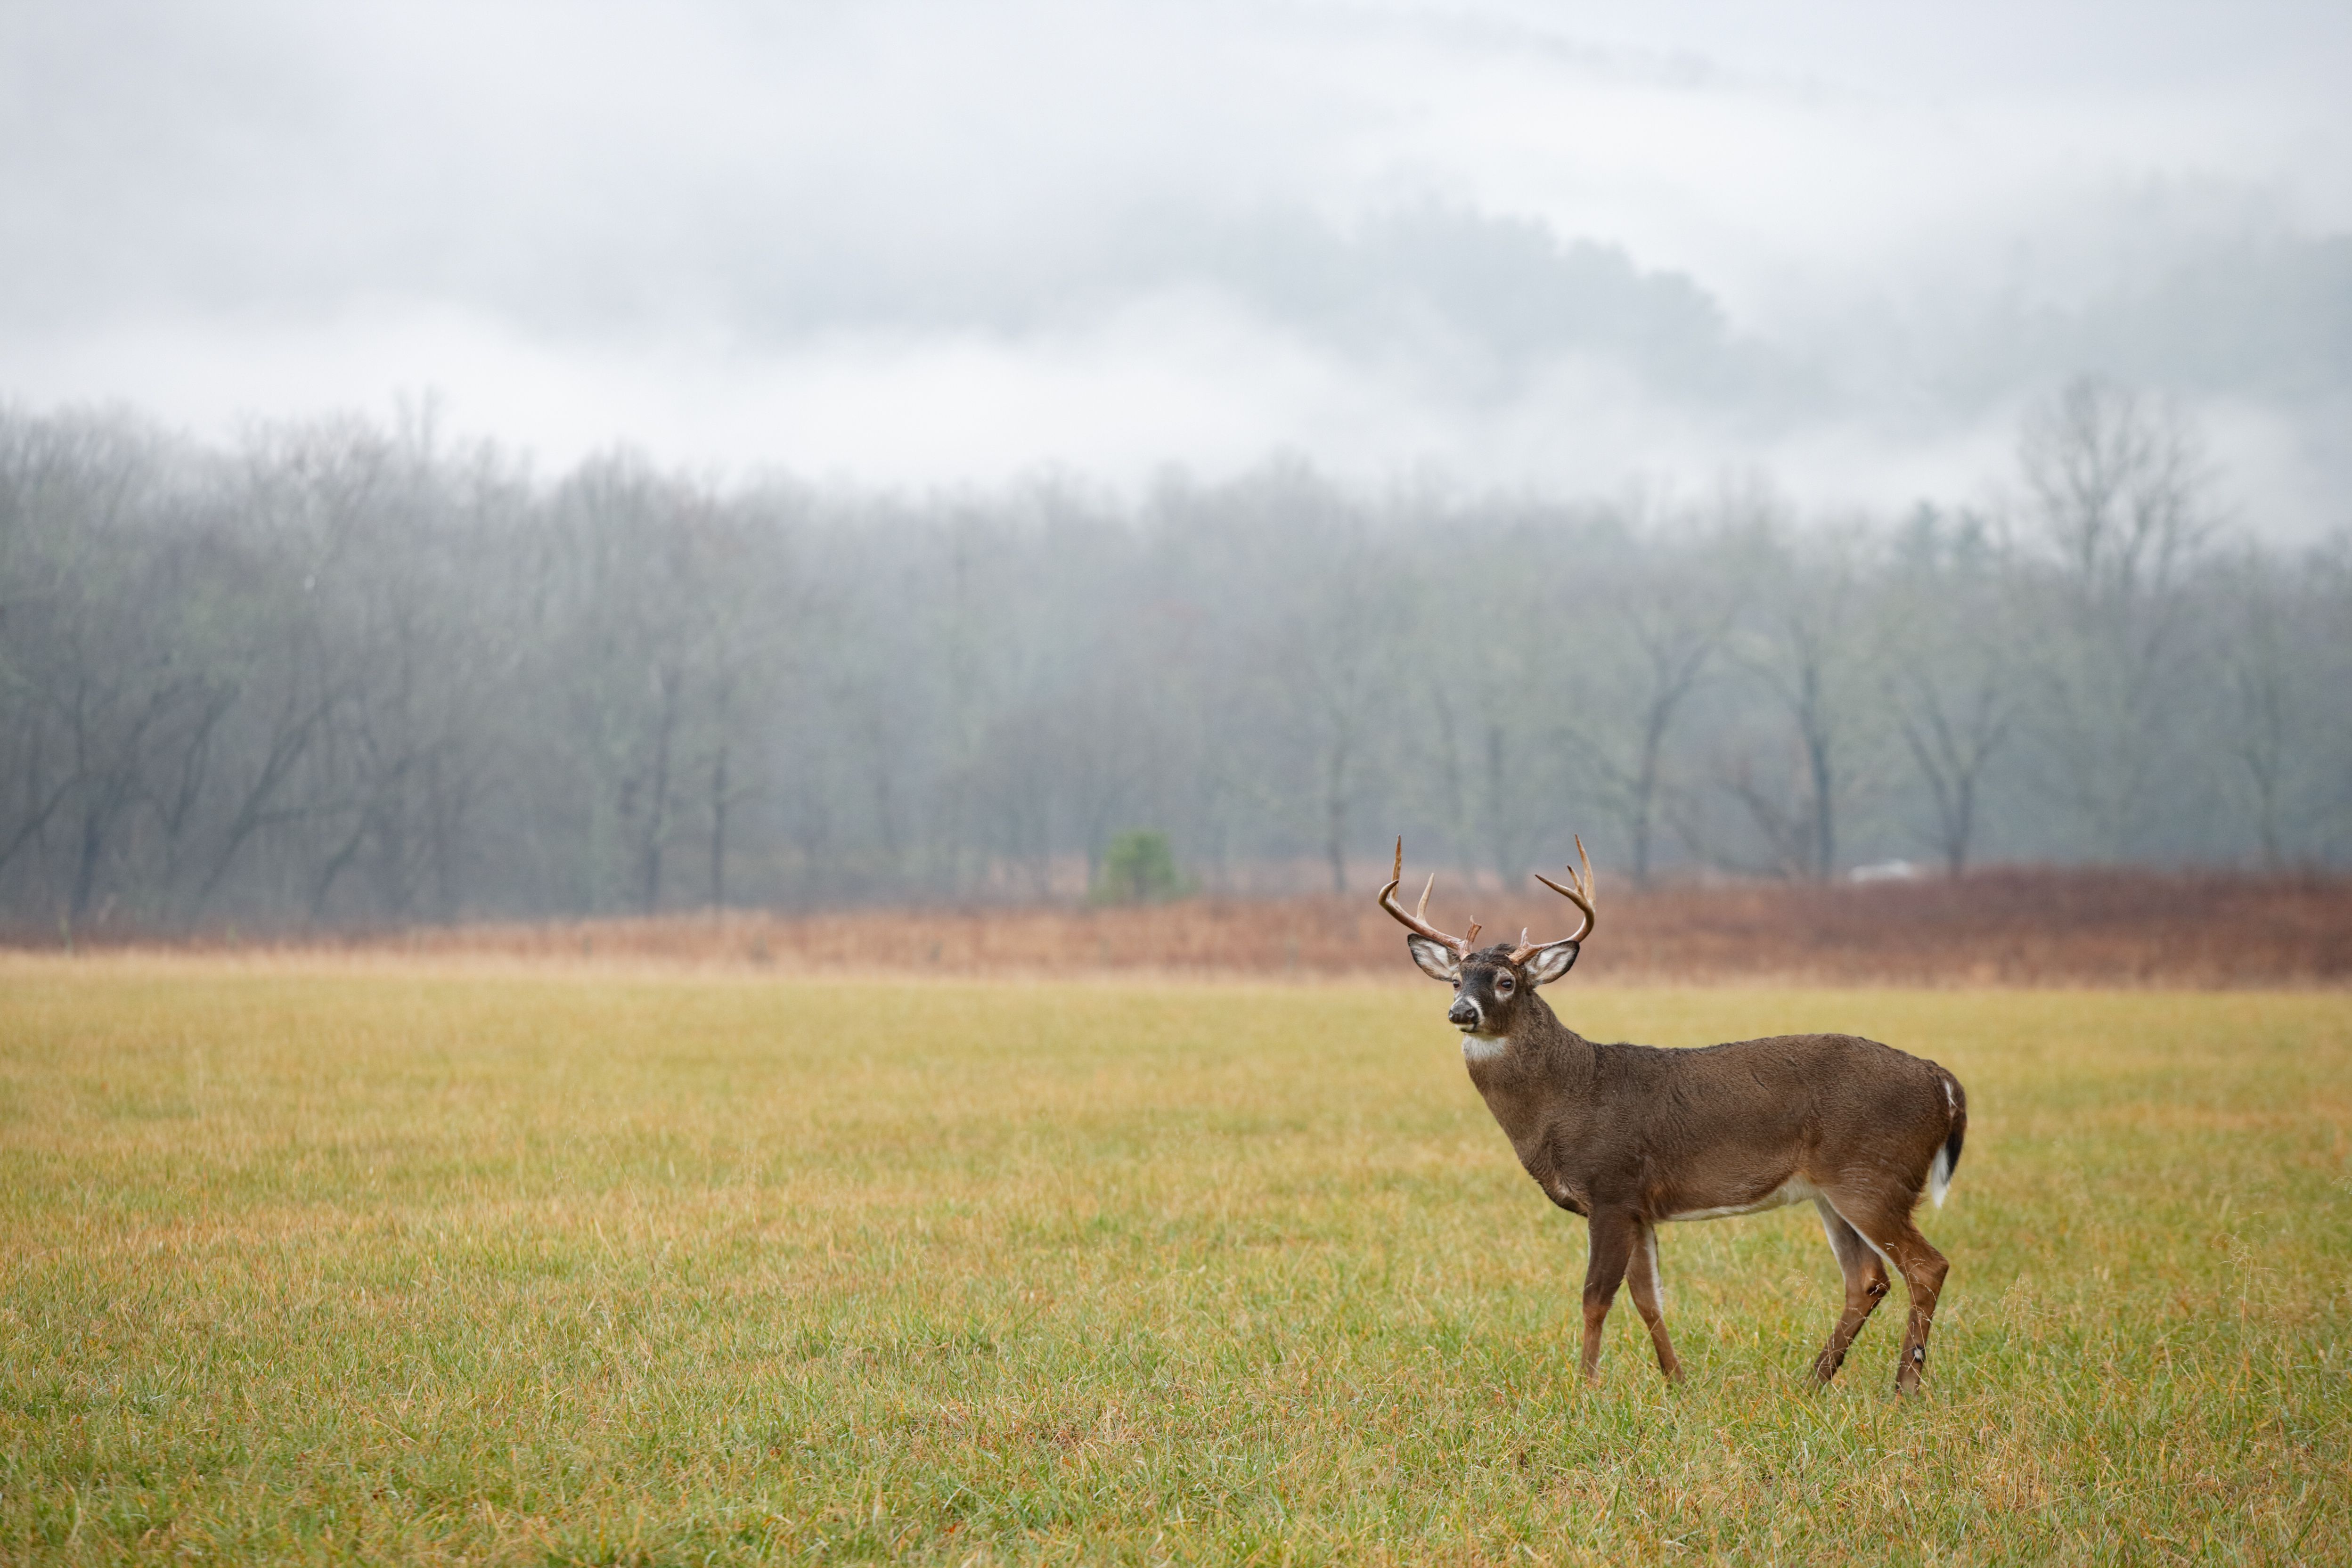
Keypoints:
pixel 1547 964
pixel 1436 960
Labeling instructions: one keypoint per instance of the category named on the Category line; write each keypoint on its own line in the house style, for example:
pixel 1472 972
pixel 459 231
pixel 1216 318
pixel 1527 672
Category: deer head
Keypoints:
pixel 1489 982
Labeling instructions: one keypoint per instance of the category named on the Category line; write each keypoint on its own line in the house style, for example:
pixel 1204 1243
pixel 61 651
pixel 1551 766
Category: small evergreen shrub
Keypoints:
pixel 1138 868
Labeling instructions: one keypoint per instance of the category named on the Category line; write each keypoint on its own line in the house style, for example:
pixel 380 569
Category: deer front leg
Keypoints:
pixel 1612 1234
pixel 1642 1282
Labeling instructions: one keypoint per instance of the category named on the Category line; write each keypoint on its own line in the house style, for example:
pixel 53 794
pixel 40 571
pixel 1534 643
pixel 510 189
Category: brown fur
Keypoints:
pixel 1632 1136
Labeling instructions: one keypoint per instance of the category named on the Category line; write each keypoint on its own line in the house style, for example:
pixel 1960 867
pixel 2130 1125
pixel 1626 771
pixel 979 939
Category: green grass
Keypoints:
pixel 404 1265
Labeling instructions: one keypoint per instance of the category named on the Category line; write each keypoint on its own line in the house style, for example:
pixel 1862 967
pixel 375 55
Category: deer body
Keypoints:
pixel 1633 1137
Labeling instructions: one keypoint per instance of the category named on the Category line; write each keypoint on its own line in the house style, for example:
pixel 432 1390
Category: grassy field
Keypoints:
pixel 393 1263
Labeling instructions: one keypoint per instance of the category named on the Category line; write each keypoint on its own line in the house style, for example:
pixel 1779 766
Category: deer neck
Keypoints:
pixel 1524 1076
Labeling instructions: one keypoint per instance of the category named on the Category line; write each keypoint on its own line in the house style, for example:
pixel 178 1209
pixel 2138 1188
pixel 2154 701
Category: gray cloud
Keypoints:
pixel 918 241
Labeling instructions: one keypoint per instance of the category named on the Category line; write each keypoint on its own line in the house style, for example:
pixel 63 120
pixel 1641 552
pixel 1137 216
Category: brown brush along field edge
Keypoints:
pixel 2030 926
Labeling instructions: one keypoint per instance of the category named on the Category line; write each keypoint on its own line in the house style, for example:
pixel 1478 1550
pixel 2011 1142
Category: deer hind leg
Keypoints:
pixel 1642 1280
pixel 1885 1221
pixel 1865 1287
pixel 1612 1236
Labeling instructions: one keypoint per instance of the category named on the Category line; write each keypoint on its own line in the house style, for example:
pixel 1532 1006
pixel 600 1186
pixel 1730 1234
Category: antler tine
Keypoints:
pixel 1580 895
pixel 1414 923
pixel 1420 910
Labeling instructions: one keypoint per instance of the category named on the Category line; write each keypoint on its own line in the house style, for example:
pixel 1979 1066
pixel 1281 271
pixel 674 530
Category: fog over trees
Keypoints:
pixel 354 671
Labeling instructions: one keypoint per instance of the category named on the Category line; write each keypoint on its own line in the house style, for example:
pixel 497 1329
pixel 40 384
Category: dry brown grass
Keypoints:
pixel 2001 927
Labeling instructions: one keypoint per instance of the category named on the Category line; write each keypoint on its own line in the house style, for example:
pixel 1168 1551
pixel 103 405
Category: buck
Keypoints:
pixel 1632 1137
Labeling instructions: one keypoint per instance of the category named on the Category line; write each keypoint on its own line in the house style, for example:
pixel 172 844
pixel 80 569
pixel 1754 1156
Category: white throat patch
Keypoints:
pixel 1483 1047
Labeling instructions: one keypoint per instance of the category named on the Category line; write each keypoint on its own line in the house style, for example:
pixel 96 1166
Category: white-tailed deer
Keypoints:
pixel 1634 1136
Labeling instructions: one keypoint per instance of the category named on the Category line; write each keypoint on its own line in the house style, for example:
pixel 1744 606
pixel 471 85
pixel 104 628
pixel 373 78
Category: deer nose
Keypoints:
pixel 1463 1012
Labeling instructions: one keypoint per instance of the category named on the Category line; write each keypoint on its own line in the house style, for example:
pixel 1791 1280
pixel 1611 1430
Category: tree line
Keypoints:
pixel 353 672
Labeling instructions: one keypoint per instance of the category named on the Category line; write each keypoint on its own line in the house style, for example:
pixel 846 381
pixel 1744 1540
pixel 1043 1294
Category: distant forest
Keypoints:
pixel 350 673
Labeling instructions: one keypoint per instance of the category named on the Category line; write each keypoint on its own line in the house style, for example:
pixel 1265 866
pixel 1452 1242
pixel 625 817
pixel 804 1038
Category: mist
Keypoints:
pixel 348 671
pixel 464 461
pixel 1545 248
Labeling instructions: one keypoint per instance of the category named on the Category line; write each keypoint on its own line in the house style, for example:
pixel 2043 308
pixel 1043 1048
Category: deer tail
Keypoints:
pixel 1947 1158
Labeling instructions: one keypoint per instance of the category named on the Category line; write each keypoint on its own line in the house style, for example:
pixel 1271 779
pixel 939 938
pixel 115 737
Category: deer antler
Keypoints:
pixel 1417 922
pixel 1580 895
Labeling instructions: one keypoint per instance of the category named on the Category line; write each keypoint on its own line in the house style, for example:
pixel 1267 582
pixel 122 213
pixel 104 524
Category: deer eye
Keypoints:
pixel 1502 985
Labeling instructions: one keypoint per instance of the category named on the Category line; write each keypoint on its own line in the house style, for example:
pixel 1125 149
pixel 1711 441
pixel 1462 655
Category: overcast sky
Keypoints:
pixel 1564 245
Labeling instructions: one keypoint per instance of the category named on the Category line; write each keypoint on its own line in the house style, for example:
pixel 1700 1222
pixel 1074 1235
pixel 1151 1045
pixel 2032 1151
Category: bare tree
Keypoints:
pixel 1327 682
pixel 1663 616
pixel 1803 645
pixel 2269 626
pixel 1497 690
pixel 2116 489
pixel 100 661
pixel 624 605
pixel 343 671
pixel 2117 483
pixel 1950 668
